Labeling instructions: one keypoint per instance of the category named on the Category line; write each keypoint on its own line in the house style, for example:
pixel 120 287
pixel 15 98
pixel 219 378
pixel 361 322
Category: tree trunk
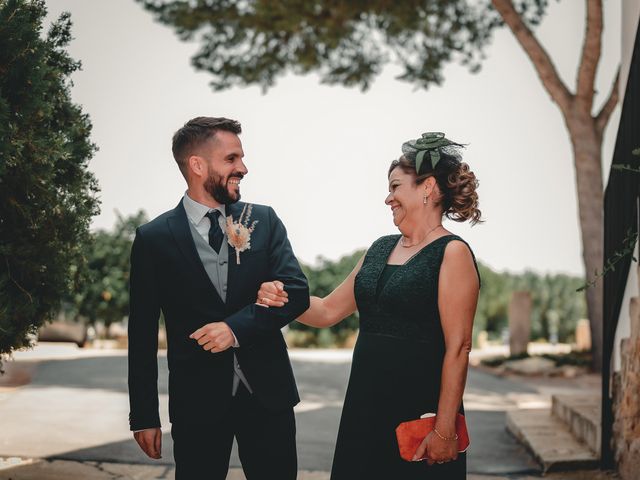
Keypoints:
pixel 587 151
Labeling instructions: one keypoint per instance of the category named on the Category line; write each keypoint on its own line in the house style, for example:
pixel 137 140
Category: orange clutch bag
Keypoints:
pixel 411 434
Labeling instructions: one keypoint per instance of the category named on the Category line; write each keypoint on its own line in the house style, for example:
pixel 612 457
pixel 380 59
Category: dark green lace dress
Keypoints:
pixel 397 364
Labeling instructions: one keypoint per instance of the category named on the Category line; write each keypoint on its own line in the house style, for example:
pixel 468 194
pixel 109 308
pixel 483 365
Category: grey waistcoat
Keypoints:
pixel 216 266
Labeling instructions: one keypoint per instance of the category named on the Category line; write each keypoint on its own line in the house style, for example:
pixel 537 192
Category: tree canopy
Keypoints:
pixel 246 42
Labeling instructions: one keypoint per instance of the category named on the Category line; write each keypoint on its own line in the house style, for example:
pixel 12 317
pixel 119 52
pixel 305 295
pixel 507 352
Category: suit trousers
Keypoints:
pixel 266 442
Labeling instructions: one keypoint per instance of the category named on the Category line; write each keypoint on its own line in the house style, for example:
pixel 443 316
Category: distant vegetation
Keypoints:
pixel 557 306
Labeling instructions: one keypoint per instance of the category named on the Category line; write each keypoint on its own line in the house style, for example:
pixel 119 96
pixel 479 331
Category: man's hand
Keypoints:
pixel 214 337
pixel 150 441
pixel 272 294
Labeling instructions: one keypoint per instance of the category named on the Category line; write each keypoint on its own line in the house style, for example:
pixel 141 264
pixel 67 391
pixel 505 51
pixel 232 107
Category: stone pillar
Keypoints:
pixel 583 335
pixel 482 340
pixel 626 400
pixel 519 322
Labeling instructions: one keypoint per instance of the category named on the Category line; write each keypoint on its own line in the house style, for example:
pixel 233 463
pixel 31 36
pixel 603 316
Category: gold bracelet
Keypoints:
pixel 449 439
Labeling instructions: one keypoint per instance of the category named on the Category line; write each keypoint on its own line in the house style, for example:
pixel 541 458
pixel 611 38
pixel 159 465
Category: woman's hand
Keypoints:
pixel 438 450
pixel 272 294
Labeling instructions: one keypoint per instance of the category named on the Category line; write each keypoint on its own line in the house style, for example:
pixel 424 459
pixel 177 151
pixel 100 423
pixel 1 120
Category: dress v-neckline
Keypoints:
pixel 415 254
pixel 400 265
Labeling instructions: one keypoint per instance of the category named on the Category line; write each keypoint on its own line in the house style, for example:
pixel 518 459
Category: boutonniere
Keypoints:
pixel 239 232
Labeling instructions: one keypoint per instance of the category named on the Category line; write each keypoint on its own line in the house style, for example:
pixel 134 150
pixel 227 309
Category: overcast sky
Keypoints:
pixel 319 154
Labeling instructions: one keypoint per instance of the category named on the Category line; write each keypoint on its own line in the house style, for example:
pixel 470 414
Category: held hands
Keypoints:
pixel 272 294
pixel 438 450
pixel 150 441
pixel 214 337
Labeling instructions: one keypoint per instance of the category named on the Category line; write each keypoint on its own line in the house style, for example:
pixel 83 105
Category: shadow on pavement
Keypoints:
pixel 322 386
pixel 105 373
pixel 316 432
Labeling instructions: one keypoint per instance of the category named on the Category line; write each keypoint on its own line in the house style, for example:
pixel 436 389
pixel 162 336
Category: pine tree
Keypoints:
pixel 47 194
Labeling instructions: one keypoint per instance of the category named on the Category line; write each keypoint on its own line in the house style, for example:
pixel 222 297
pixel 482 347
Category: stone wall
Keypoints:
pixel 626 400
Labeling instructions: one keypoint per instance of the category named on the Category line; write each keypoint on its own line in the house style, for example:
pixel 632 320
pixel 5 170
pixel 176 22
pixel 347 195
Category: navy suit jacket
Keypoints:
pixel 167 276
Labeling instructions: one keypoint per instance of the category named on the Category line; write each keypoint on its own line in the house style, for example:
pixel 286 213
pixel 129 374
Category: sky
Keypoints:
pixel 319 154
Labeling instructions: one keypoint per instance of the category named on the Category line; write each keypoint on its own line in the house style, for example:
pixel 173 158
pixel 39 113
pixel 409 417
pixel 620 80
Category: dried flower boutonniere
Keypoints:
pixel 239 232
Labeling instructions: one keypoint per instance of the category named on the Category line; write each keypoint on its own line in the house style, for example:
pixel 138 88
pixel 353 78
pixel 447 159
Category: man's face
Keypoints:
pixel 225 168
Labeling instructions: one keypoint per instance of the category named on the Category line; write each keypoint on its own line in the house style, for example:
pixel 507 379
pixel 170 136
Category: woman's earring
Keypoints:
pixel 425 199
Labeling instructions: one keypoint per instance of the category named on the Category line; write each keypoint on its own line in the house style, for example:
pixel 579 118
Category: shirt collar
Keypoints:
pixel 196 210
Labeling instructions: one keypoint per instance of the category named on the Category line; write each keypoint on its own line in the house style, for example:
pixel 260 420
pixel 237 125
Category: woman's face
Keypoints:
pixel 405 197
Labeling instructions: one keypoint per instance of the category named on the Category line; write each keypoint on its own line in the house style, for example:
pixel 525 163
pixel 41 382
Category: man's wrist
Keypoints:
pixel 145 429
pixel 236 344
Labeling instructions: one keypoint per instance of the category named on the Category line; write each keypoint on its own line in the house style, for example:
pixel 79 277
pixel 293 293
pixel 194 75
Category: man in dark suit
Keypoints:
pixel 201 264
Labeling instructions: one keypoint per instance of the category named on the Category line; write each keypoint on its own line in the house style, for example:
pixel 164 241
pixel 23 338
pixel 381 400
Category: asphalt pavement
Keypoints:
pixel 75 409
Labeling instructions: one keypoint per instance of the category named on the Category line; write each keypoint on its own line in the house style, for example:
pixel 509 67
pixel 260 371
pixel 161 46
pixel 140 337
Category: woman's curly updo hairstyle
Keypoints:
pixel 456 181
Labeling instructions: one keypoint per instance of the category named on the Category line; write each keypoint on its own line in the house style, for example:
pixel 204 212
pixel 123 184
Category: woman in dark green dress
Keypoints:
pixel 416 294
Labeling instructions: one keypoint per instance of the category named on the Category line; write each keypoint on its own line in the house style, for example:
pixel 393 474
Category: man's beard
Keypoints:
pixel 218 189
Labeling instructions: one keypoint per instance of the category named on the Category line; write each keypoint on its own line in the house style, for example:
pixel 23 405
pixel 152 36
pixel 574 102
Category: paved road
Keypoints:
pixel 76 408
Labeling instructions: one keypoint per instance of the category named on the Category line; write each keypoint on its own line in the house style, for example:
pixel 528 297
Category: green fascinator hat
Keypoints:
pixel 430 145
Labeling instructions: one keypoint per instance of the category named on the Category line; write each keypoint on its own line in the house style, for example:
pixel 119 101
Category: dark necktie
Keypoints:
pixel 215 233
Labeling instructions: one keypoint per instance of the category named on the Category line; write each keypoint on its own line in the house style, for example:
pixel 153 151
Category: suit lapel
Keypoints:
pixel 179 226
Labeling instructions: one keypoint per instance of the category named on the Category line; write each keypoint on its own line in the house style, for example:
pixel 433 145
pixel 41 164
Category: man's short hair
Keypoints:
pixel 197 131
